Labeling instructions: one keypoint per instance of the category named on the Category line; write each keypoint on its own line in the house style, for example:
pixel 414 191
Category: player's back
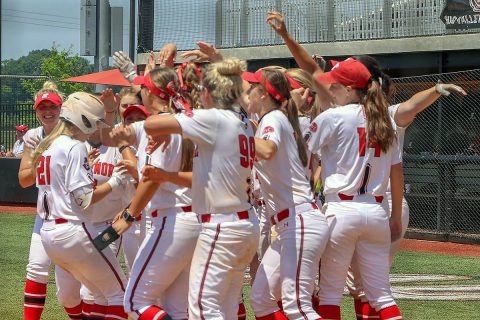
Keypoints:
pixel 350 163
pixel 222 161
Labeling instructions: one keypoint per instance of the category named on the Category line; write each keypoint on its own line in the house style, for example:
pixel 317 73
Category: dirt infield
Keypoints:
pixel 18 209
pixel 441 247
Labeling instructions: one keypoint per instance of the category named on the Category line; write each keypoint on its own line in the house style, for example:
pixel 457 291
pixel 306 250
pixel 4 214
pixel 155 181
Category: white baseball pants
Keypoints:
pixel 354 280
pixel 39 263
pixel 132 240
pixel 360 226
pixel 161 268
pixel 223 251
pixel 70 246
pixel 288 269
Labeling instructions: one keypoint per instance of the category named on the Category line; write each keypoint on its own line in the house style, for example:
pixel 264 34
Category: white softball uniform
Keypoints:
pixel 355 175
pixel 229 237
pixel 354 281
pixel 67 239
pixel 288 269
pixel 161 268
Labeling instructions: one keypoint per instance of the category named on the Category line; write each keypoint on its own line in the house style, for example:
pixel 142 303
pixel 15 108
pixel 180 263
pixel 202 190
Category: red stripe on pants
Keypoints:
pixel 205 272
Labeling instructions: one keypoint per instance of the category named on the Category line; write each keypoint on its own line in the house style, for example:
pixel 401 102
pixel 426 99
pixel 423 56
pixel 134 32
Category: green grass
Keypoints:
pixel 15 233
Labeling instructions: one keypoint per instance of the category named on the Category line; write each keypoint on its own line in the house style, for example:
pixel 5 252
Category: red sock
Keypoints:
pixel 75 312
pixel 34 300
pixel 277 315
pixel 115 313
pixel 242 313
pixel 97 312
pixel 390 313
pixel 369 312
pixel 329 312
pixel 154 312
pixel 86 310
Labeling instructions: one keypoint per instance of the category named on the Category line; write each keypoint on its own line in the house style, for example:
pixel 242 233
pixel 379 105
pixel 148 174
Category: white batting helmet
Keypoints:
pixel 85 111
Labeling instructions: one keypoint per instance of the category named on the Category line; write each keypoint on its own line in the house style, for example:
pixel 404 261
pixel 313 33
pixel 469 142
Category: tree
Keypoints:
pixel 61 64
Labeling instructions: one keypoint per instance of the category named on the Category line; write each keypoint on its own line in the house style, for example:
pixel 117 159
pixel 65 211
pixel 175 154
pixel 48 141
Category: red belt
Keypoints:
pixel 284 214
pixel 205 218
pixel 154 214
pixel 60 221
pixel 345 197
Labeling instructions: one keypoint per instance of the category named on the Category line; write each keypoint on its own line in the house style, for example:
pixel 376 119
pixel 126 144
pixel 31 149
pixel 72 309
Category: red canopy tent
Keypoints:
pixel 110 77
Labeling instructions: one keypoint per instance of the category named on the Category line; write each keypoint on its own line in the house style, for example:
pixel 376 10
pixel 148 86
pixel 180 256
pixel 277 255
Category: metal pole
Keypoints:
pixel 131 36
pixel 103 38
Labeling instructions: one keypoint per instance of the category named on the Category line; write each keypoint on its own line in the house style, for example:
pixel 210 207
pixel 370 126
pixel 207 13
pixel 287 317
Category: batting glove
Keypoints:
pixel 125 65
pixel 119 176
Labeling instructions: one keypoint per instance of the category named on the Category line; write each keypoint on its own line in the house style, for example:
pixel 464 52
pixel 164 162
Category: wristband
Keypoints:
pixel 126 216
pixel 123 148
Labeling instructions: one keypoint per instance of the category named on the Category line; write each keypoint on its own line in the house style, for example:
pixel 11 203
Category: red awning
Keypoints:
pixel 110 77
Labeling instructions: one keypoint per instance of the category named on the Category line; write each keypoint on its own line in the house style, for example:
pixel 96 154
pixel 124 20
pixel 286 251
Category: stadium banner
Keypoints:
pixel 461 14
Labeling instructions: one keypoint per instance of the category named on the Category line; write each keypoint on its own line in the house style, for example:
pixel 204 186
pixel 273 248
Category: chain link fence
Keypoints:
pixel 16 107
pixel 442 156
pixel 241 23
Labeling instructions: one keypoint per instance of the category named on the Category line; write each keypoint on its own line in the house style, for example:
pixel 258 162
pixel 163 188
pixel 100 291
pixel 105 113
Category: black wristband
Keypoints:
pixel 123 148
pixel 127 216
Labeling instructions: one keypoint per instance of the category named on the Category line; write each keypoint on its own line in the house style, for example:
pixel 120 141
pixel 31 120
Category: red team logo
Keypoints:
pixel 313 127
pixel 267 129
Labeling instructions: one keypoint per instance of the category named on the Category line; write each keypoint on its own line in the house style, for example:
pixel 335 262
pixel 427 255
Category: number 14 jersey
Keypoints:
pixel 351 165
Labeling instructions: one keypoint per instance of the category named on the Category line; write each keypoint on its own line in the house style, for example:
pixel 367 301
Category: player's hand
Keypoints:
pixel 155 143
pixel 322 63
pixel 395 229
pixel 93 157
pixel 275 20
pixel 446 88
pixel 150 173
pixel 205 52
pixel 119 177
pixel 168 55
pixel 300 96
pixel 9 154
pixel 109 100
pixel 32 143
pixel 130 167
pixel 120 225
pixel 125 65
pixel 123 135
pixel 150 65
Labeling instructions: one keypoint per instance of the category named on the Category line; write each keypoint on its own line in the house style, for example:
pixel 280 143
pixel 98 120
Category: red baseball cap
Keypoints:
pixel 349 72
pixel 48 96
pixel 134 107
pixel 257 78
pixel 22 128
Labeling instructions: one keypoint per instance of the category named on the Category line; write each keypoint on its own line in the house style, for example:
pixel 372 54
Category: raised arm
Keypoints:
pixel 420 101
pixel 301 56
pixel 160 125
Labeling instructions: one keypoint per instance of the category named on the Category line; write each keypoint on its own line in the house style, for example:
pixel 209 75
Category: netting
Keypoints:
pixel 16 107
pixel 241 23
pixel 442 156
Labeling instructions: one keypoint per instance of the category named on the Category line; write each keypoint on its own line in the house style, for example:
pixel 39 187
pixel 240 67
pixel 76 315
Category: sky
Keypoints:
pixel 37 24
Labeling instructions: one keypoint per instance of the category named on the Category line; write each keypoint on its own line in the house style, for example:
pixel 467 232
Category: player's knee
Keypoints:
pixel 68 298
pixel 38 273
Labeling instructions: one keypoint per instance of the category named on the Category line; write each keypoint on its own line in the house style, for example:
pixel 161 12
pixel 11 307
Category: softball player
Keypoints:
pixel 289 266
pixel 403 114
pixel 222 164
pixel 356 166
pixel 175 227
pixel 65 184
pixel 47 106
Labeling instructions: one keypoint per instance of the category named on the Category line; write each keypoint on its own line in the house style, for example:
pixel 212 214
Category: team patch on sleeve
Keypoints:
pixel 313 127
pixel 267 129
pixel 86 165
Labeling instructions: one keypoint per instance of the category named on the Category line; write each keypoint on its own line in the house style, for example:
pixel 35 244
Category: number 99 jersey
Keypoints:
pixel 62 168
pixel 223 159
pixel 351 165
